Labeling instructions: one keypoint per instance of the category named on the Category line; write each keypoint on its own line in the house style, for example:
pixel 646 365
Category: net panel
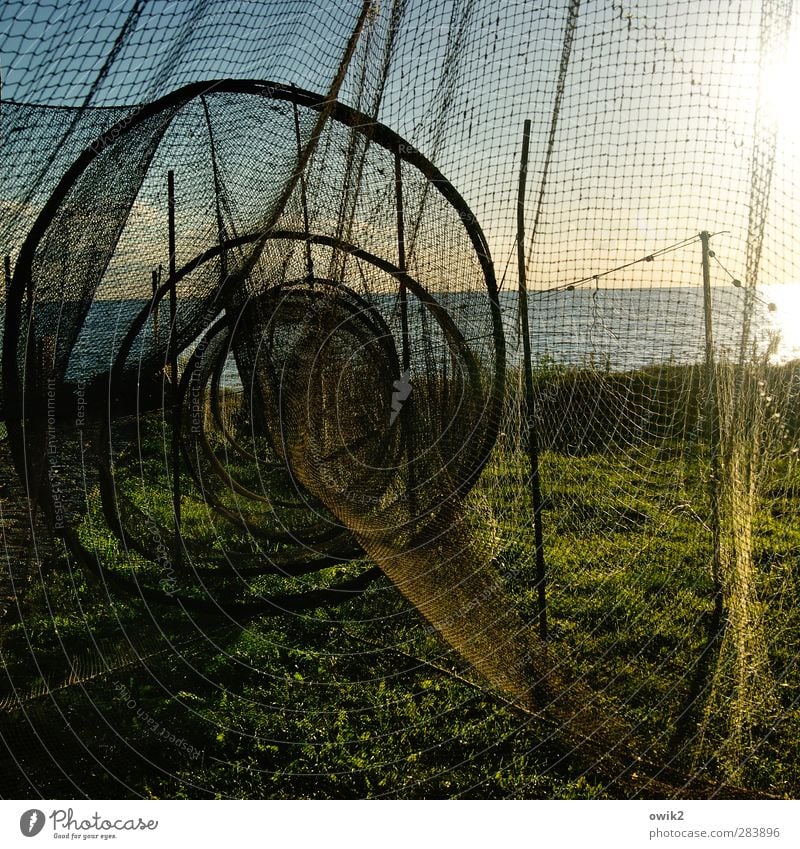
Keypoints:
pixel 361 397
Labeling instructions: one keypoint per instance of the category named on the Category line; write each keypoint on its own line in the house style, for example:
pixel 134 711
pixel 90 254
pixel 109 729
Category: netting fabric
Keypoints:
pixel 263 339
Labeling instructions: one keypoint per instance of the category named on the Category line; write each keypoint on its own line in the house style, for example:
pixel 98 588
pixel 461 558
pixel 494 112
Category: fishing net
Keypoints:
pixel 293 303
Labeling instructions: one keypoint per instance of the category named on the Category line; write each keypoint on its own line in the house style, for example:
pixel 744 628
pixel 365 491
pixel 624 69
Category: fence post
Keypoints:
pixel 529 411
pixel 712 425
pixel 173 364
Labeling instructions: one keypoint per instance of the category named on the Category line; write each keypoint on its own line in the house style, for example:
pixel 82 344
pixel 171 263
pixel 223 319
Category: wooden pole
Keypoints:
pixel 529 404
pixel 406 421
pixel 712 424
pixel 173 296
pixel 401 257
pixel 173 365
pixel 304 199
pixel 156 281
pixel 685 723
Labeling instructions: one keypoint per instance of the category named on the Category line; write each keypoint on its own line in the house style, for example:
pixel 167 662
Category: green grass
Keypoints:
pixel 353 702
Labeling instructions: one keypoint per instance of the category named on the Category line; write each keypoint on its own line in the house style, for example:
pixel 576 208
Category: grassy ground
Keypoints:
pixel 363 700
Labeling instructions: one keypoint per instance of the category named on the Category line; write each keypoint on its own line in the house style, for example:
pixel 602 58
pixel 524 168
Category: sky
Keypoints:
pixel 654 141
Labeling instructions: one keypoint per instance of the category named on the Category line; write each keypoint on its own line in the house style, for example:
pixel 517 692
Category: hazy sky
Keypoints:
pixel 654 141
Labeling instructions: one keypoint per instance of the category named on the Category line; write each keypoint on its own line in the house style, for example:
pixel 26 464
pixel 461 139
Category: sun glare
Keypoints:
pixel 776 312
pixel 780 85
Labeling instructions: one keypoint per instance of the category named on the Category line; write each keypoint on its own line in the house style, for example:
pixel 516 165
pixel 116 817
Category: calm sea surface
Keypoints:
pixel 619 329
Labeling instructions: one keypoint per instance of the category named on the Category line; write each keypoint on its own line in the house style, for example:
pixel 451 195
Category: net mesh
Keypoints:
pixel 263 334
